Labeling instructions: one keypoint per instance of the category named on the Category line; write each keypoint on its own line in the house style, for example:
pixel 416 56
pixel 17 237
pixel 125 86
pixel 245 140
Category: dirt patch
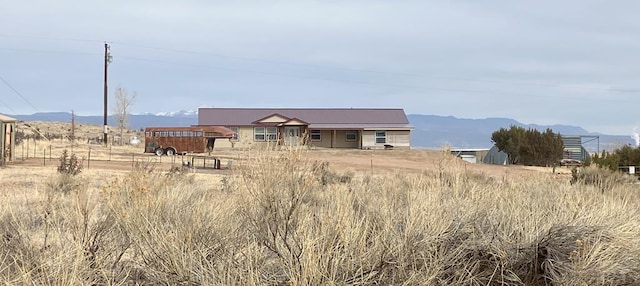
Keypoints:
pixel 372 161
pixel 413 161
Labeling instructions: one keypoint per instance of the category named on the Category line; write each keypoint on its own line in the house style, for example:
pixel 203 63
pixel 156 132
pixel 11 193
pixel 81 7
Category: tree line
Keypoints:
pixel 529 146
pixel 623 156
pixel 534 148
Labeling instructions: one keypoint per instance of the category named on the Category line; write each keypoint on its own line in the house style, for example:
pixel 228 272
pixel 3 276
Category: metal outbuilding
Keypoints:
pixel 496 157
pixel 470 155
pixel 573 146
pixel 7 138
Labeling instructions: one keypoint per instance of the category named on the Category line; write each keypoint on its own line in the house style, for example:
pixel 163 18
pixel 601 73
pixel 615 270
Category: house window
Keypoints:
pixel 352 135
pixel 316 135
pixel 258 134
pixel 272 133
pixel 381 137
pixel 235 130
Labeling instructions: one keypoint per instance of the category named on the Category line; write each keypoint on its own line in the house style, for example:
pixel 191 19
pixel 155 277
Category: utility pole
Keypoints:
pixel 107 60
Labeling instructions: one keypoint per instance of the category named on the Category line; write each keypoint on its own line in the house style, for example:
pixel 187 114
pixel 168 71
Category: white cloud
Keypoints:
pixel 571 62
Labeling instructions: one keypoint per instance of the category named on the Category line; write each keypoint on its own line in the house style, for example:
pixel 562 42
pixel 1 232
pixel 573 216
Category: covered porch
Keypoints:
pixel 335 138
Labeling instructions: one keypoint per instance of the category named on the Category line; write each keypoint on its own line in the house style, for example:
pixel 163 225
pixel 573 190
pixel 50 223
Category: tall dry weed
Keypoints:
pixel 280 219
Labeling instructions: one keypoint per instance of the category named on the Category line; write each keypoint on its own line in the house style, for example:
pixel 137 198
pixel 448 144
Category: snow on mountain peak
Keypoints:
pixel 181 113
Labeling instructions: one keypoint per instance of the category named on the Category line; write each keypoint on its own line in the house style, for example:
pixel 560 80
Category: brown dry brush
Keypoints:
pixel 282 220
pixel 54 241
pixel 604 179
pixel 174 228
pixel 15 252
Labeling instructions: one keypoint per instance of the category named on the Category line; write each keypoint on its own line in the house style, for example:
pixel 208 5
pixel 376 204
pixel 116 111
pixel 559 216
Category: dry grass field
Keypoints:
pixel 312 217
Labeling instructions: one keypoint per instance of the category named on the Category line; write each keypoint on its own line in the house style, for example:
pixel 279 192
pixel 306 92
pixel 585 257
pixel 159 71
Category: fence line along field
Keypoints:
pixel 314 217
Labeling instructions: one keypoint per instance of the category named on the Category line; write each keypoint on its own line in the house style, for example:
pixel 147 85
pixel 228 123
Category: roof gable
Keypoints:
pixel 294 121
pixel 273 118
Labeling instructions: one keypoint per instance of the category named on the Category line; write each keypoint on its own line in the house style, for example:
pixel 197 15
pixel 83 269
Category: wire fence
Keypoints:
pixel 50 154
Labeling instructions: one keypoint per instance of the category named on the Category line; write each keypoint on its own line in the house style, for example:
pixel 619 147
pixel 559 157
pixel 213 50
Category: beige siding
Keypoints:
pixel 341 140
pixel 335 139
pixel 369 139
pixel 325 142
pixel 245 139
pixel 397 138
pixel 295 122
pixel 400 138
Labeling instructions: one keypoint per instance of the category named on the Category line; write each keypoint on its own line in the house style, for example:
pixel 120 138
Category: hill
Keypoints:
pixel 136 121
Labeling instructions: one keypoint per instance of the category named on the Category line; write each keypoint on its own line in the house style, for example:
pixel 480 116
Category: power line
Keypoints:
pixel 265 60
pixel 363 82
pixel 49 38
pixel 620 90
pixel 49 51
pixel 476 91
pixel 617 90
pixel 18 93
pixel 7 106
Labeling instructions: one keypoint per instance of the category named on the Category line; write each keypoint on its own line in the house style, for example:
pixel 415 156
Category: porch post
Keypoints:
pixel 333 138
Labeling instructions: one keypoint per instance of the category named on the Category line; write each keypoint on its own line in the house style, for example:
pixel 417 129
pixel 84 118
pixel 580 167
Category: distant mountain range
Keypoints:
pixel 430 131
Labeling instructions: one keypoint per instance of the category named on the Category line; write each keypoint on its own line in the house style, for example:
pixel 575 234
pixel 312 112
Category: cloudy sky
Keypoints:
pixel 571 62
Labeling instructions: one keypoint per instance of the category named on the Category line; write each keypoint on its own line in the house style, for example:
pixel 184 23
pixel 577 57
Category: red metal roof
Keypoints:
pixel 325 117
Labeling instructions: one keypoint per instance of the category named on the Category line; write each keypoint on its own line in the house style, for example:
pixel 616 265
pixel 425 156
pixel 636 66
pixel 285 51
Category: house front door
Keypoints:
pixel 292 135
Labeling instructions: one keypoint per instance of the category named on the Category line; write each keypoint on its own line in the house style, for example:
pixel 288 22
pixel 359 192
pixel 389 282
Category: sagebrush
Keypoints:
pixel 282 220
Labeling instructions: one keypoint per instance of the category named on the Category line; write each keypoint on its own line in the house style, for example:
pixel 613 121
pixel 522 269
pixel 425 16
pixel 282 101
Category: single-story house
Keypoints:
pixel 360 128
pixel 7 138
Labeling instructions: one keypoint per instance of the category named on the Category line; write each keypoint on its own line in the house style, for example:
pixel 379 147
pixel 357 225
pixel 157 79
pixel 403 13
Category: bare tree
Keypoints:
pixel 122 104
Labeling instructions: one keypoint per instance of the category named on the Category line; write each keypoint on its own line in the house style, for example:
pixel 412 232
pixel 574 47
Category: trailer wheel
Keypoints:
pixel 170 151
pixel 159 152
